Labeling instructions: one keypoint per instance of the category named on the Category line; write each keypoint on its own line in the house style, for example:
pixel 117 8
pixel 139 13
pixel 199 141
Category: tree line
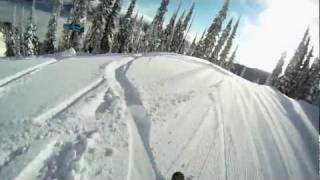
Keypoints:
pixel 301 78
pixel 110 31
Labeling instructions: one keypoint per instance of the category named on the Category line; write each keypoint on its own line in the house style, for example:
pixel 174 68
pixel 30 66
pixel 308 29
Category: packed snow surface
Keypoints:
pixel 146 116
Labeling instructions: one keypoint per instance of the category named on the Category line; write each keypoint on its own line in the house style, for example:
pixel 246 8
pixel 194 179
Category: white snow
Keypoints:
pixel 146 116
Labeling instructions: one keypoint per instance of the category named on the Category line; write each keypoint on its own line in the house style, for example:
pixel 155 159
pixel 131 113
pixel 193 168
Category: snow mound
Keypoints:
pixel 147 116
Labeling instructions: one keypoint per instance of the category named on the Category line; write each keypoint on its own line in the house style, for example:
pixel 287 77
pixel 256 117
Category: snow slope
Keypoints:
pixel 147 116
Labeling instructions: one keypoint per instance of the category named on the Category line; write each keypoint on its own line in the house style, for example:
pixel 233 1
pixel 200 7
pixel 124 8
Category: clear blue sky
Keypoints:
pixel 205 10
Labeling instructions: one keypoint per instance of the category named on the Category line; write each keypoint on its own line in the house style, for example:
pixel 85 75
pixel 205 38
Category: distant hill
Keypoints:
pixel 251 74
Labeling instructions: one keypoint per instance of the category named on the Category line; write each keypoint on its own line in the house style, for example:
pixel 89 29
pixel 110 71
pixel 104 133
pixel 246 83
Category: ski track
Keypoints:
pixel 104 130
pixel 137 110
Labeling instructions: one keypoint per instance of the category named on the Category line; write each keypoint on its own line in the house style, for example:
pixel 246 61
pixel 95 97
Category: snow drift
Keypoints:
pixel 146 116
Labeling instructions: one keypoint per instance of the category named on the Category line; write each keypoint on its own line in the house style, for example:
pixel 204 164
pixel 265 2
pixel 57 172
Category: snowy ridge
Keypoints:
pixel 18 75
pixel 150 115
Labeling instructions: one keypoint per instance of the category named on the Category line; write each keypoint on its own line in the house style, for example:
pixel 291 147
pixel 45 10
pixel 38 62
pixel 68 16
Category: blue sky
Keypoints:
pixel 267 28
pixel 205 10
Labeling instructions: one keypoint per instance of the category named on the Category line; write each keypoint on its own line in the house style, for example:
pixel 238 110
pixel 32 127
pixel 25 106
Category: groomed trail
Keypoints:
pixel 145 116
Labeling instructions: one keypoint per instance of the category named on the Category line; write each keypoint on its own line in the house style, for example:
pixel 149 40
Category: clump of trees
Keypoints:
pixel 108 31
pixel 301 77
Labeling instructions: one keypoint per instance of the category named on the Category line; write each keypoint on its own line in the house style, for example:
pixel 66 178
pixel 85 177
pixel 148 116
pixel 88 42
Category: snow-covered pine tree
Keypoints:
pixel 184 42
pixel 289 81
pixel 273 79
pixel 78 16
pixel 9 34
pixel 16 34
pixel 123 36
pixel 224 53
pixel 17 40
pixel 304 78
pixel 94 36
pixel 192 46
pixel 199 46
pixel 177 34
pixel 109 27
pixel 230 63
pixel 49 45
pixel 222 40
pixel 167 35
pixel 178 39
pixel 205 47
pixel 31 40
pixel 185 29
pixel 313 93
pixel 153 34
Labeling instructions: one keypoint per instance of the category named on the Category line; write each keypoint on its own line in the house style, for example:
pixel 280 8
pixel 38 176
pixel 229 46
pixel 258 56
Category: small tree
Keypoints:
pixel 50 43
pixel 31 40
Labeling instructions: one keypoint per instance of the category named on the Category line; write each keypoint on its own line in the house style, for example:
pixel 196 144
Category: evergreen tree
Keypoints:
pixel 177 34
pixel 230 63
pixel 199 46
pixel 64 42
pixel 304 79
pixel 228 44
pixel 222 40
pixel 289 81
pixel 188 17
pixel 78 16
pixel 273 79
pixel 94 36
pixel 9 39
pixel 205 47
pixel 313 93
pixel 153 34
pixel 18 37
pixel 31 40
pixel 51 36
pixel 167 35
pixel 124 35
pixel 109 27
pixel 181 49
